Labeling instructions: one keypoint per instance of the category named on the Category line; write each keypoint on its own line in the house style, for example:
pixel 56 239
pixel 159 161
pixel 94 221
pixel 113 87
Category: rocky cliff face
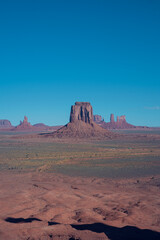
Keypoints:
pixel 4 123
pixel 81 111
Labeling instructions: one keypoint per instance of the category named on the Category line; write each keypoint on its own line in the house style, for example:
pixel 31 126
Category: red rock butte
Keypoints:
pixel 81 111
pixel 24 125
pixel 81 124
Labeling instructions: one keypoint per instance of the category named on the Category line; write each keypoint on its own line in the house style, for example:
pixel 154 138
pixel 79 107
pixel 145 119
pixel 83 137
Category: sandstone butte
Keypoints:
pixel 81 124
pixel 24 125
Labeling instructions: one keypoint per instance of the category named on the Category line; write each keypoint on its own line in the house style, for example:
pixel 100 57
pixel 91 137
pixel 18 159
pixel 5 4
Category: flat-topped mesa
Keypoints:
pixel 112 118
pixel 4 123
pixel 81 111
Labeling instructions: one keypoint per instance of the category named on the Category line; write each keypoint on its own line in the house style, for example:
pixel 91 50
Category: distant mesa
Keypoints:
pixel 81 124
pixel 26 126
pixel 120 123
pixel 5 124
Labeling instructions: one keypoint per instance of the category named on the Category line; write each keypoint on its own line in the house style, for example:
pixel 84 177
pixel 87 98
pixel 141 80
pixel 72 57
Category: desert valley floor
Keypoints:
pixel 63 189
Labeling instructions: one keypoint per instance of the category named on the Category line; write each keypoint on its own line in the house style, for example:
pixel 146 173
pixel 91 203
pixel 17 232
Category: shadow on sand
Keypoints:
pixel 125 233
pixel 52 223
pixel 21 220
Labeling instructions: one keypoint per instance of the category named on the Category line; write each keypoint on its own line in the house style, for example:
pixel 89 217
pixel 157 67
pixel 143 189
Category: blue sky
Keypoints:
pixel 53 53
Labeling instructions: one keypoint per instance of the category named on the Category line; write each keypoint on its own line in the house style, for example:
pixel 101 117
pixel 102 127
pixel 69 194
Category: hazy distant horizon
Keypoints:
pixel 53 53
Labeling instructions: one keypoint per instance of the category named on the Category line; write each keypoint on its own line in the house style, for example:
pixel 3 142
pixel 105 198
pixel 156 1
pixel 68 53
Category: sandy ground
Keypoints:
pixel 53 206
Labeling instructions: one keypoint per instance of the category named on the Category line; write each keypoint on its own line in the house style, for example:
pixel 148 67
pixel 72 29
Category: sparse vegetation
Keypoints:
pixel 114 158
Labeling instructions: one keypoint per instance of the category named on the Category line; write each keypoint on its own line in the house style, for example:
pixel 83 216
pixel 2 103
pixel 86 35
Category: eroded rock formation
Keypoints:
pixel 25 122
pixel 97 118
pixel 122 119
pixel 81 111
pixel 24 125
pixel 112 118
pixel 81 124
pixel 121 123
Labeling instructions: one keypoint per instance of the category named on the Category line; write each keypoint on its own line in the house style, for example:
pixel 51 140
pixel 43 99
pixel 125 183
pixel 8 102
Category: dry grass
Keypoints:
pixel 122 157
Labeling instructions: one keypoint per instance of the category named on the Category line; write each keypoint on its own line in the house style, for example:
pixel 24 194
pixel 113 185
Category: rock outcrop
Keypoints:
pixel 4 123
pixel 122 119
pixel 24 125
pixel 25 122
pixel 81 124
pixel 121 123
pixel 97 118
pixel 112 118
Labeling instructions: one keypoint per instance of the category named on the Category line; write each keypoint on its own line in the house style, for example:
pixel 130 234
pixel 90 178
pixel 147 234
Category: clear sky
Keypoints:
pixel 56 52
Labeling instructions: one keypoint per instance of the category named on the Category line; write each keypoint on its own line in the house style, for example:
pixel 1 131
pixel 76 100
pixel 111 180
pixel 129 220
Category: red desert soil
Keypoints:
pixel 52 206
